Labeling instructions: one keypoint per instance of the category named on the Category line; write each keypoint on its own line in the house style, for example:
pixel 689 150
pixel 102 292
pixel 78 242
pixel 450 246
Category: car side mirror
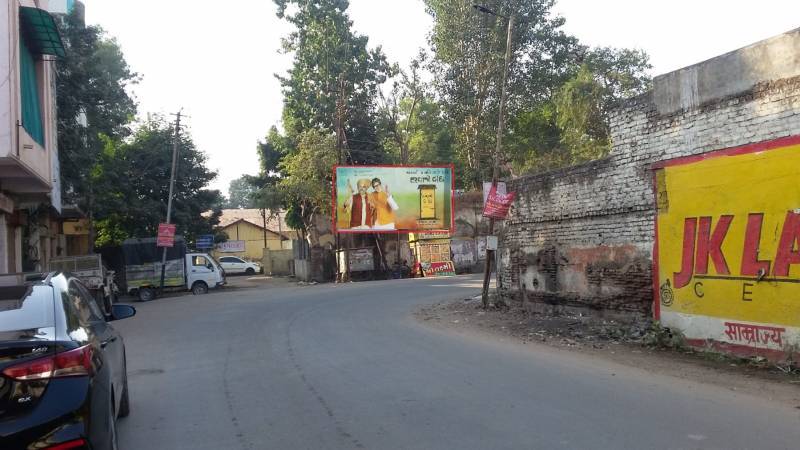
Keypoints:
pixel 210 266
pixel 119 312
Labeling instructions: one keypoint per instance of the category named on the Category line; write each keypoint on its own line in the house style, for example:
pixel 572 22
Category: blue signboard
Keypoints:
pixel 205 241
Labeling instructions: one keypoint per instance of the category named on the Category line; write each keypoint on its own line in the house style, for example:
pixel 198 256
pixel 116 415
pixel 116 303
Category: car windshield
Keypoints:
pixel 26 307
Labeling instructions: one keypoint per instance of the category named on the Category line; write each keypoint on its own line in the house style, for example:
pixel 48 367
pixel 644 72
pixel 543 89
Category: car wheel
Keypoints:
pixel 125 402
pixel 146 294
pixel 199 288
pixel 250 271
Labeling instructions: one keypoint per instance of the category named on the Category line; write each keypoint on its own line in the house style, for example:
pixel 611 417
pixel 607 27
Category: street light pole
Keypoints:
pixel 487 275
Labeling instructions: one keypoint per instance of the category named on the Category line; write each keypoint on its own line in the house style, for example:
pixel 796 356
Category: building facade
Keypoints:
pixel 30 189
pixel 254 239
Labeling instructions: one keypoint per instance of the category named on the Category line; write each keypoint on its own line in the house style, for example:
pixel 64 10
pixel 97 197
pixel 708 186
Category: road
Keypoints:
pixel 348 367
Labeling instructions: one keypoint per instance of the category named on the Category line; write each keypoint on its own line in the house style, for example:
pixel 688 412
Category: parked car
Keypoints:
pixel 63 379
pixel 232 264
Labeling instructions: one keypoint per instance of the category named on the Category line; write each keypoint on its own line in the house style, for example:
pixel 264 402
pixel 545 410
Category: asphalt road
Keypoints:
pixel 348 367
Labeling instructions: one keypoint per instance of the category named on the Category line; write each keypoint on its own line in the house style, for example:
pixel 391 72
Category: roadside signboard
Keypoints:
pixel 205 241
pixel 361 260
pixel 439 269
pixel 231 246
pixel 393 199
pixel 166 235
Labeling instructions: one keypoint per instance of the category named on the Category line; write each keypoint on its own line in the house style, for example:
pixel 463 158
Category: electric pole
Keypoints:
pixel 171 189
pixel 490 254
pixel 340 142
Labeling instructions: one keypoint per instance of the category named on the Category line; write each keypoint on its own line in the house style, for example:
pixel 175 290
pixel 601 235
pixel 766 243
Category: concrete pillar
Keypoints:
pixel 3 244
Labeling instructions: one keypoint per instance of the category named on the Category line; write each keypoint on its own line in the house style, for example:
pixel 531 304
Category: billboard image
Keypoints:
pixel 393 199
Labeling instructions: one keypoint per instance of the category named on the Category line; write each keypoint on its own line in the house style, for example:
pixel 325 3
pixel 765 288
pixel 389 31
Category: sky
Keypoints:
pixel 218 63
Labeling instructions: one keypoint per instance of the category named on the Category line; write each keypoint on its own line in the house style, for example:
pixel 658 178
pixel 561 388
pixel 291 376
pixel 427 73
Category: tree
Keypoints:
pixel 307 182
pixel 93 105
pixel 333 74
pixel 270 152
pixel 398 111
pixel 241 193
pixel 136 176
pixel 573 127
pixel 559 91
pixel 468 63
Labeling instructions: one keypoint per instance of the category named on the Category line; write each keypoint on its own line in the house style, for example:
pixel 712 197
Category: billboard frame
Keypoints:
pixel 450 166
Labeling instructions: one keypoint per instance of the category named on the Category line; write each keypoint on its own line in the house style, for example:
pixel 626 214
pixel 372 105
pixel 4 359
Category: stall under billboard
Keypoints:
pixel 393 199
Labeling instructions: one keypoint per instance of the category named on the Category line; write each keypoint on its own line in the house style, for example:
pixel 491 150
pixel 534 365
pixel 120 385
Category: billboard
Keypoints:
pixel 393 199
pixel 727 254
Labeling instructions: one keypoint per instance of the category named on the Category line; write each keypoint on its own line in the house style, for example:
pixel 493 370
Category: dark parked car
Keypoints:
pixel 62 366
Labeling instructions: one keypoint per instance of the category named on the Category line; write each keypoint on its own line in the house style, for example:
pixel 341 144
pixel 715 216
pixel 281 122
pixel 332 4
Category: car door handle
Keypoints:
pixel 107 341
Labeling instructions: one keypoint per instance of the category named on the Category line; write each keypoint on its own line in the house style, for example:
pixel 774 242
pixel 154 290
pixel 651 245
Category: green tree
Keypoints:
pixel 573 127
pixel 93 105
pixel 137 173
pixel 306 184
pixel 270 152
pixel 241 193
pixel 399 111
pixel 468 62
pixel 332 66
pixel 559 91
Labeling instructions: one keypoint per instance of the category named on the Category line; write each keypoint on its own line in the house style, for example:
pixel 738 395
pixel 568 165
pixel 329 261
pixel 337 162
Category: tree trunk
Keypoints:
pixel 311 227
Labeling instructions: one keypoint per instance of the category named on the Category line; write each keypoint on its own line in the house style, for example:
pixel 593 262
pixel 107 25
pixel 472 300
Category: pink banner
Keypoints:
pixel 166 235
pixel 497 204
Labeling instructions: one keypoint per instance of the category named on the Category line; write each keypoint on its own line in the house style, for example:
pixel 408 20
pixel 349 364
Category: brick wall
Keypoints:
pixel 583 236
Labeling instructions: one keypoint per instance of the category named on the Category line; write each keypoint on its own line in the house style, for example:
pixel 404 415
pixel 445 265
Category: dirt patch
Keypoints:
pixel 642 345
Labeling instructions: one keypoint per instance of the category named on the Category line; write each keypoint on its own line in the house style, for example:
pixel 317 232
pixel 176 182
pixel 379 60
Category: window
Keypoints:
pixel 91 302
pixel 199 261
pixel 29 94
pixel 38 36
pixel 236 260
pixel 83 304
pixel 26 307
pixel 227 259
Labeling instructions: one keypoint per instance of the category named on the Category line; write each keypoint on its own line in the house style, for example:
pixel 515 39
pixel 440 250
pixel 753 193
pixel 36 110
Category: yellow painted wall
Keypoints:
pixel 254 240
pixel 729 247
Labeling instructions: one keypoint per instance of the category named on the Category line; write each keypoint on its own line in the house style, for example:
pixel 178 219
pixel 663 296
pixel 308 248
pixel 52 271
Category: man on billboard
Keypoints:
pixel 360 206
pixel 384 206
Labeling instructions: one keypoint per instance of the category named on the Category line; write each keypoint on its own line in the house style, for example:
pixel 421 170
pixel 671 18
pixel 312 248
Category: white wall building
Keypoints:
pixel 29 171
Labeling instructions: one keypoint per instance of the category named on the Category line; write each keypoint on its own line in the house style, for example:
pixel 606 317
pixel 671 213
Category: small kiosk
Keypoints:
pixel 432 256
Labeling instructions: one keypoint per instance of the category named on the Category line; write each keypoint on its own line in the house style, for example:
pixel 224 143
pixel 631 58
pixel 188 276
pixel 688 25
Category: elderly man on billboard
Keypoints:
pixel 360 205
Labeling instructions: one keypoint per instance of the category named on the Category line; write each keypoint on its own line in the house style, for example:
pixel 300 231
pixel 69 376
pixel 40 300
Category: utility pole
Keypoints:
pixel 171 189
pixel 490 254
pixel 340 138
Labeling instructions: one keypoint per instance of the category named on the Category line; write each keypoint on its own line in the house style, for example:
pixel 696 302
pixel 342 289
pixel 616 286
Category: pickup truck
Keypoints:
pixel 197 272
